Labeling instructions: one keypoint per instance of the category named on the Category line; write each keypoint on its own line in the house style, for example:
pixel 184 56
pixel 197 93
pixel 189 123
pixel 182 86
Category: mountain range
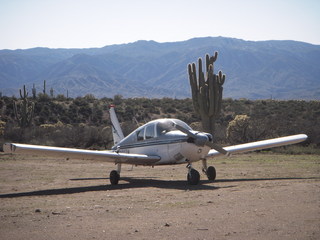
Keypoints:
pixel 254 69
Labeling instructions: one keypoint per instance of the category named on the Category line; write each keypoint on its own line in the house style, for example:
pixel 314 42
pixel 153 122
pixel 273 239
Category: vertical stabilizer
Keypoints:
pixel 116 129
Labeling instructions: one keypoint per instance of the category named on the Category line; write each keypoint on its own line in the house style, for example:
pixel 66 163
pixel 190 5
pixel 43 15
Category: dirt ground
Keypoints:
pixel 256 196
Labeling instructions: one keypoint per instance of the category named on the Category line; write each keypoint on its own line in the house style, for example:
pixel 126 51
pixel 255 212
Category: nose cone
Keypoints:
pixel 193 152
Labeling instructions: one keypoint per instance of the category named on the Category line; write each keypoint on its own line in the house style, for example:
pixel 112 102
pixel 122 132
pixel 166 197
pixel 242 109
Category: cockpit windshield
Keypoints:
pixel 181 123
pixel 158 127
pixel 166 125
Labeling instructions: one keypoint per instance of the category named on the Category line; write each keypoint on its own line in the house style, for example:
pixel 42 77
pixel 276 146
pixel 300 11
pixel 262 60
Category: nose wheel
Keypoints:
pixel 193 175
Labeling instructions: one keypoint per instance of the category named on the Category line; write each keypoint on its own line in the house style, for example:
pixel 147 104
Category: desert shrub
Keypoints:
pixel 2 127
pixel 267 118
pixel 237 131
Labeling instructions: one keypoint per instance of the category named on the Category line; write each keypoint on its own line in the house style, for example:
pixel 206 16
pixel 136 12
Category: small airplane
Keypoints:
pixel 158 142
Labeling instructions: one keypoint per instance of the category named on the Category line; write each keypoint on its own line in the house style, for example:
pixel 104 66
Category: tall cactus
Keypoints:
pixel 25 115
pixel 44 86
pixel 206 91
pixel 51 92
pixel 34 92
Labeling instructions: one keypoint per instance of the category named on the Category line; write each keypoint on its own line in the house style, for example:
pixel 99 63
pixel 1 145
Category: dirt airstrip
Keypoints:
pixel 255 196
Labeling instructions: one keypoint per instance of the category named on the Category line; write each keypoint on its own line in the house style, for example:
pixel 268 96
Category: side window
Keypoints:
pixel 150 131
pixel 140 134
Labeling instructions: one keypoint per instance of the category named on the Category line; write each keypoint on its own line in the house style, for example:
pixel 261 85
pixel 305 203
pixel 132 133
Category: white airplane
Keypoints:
pixel 159 142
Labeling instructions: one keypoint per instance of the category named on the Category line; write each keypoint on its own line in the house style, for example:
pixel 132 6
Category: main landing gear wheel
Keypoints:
pixel 114 177
pixel 193 177
pixel 211 173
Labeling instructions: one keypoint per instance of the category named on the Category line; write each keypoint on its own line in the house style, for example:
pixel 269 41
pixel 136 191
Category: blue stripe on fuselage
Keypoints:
pixel 151 143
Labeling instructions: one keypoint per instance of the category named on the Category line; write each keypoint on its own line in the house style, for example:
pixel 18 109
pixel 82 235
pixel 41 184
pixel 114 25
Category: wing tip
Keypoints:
pixel 302 137
pixel 305 136
pixel 8 148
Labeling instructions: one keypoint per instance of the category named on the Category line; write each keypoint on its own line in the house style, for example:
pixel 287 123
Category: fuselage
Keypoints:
pixel 156 138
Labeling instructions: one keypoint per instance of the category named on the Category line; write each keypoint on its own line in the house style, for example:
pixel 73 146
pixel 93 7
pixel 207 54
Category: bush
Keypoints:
pixel 87 116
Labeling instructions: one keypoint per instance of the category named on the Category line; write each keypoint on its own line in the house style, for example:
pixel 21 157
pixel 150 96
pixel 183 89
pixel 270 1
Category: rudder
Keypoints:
pixel 116 129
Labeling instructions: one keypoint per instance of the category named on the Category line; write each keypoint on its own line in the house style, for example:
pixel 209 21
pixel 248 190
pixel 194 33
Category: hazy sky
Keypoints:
pixel 96 23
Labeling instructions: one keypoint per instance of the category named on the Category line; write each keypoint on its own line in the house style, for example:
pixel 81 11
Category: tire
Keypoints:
pixel 211 173
pixel 114 177
pixel 193 177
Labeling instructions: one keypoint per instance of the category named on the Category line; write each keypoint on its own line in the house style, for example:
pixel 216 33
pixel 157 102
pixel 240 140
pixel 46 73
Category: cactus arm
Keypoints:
pixel 211 83
pixel 194 88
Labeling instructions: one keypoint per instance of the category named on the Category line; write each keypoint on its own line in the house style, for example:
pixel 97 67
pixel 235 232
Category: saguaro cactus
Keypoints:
pixel 51 92
pixel 25 115
pixel 44 86
pixel 206 91
pixel 34 92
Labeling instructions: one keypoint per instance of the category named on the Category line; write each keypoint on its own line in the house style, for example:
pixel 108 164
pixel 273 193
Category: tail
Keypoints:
pixel 116 129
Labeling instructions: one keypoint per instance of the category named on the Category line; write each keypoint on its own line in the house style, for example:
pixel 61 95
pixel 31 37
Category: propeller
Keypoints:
pixel 201 139
pixel 218 148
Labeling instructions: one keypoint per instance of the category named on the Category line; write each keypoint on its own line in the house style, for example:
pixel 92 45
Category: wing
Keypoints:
pixel 247 147
pixel 108 156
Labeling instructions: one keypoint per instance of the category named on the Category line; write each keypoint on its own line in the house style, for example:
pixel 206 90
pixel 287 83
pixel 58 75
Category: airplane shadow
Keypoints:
pixel 125 183
pixel 139 183
pixel 264 179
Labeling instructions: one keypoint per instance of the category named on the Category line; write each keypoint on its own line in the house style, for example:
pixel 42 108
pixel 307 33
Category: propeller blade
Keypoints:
pixel 186 131
pixel 217 148
pixel 200 140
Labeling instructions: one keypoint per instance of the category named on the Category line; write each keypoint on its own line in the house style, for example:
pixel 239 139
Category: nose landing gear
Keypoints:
pixel 193 176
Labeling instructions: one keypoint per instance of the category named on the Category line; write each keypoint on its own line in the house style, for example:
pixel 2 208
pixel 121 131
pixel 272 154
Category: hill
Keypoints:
pixel 255 70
